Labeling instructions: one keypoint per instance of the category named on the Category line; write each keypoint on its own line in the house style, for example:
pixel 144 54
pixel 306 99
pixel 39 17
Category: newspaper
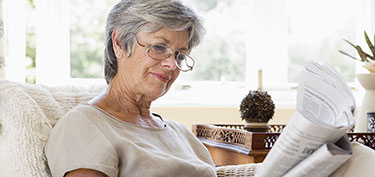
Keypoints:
pixel 314 142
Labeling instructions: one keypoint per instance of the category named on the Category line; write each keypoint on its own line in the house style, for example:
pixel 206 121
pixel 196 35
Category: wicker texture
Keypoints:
pixel 247 170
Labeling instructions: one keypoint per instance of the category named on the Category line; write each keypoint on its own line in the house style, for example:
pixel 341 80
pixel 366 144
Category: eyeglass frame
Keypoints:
pixel 173 53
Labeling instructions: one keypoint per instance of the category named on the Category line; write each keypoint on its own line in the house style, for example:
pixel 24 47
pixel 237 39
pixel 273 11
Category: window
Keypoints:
pixel 243 36
pixel 87 37
pixel 316 32
pixel 222 55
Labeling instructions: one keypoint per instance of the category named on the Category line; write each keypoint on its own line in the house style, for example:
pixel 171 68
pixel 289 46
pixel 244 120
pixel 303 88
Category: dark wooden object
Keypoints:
pixel 232 145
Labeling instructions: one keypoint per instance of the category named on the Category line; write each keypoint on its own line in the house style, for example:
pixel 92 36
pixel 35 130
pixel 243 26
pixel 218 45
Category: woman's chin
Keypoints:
pixel 155 94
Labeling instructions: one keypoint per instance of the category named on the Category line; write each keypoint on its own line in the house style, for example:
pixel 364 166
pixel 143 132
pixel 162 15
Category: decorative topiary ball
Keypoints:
pixel 257 106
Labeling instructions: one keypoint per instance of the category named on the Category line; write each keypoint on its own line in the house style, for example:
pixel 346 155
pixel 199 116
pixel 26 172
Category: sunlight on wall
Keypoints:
pixel 215 115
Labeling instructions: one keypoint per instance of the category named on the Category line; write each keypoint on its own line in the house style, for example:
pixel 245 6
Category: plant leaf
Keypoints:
pixel 362 54
pixel 344 53
pixel 372 48
pixel 350 43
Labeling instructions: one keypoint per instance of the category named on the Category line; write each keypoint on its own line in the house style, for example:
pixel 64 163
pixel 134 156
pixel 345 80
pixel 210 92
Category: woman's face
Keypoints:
pixel 142 75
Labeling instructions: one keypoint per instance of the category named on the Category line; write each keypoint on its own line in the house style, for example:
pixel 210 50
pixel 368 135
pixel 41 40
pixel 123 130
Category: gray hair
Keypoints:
pixel 129 17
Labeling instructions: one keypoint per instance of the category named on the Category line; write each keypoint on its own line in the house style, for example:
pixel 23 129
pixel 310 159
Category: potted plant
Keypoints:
pixel 367 81
pixel 257 108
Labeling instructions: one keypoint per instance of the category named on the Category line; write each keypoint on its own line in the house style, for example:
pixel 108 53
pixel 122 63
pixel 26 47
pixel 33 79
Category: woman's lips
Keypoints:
pixel 162 77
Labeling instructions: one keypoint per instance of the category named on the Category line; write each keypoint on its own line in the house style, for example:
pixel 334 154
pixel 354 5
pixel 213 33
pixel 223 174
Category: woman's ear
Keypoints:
pixel 116 47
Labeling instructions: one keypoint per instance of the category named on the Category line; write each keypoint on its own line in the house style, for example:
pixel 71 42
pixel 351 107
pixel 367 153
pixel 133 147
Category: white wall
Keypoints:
pixel 218 115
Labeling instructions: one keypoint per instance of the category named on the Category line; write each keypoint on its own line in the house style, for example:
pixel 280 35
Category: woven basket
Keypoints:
pixel 247 170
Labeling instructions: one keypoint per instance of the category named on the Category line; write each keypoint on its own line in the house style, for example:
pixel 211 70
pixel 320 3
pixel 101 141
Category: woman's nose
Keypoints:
pixel 169 63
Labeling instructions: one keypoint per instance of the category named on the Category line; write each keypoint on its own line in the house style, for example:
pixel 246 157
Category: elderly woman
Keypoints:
pixel 115 134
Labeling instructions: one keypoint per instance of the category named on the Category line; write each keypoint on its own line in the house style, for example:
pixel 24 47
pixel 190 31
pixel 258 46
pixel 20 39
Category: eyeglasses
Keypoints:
pixel 160 52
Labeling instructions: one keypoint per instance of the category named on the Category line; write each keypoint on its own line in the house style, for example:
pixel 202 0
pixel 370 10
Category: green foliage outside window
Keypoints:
pixel 30 44
pixel 222 54
pixel 87 36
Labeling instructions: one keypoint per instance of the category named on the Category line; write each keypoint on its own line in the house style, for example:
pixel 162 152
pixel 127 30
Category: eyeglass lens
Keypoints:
pixel 161 52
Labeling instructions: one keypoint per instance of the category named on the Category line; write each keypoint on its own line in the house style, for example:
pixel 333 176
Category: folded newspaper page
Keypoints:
pixel 326 159
pixel 313 143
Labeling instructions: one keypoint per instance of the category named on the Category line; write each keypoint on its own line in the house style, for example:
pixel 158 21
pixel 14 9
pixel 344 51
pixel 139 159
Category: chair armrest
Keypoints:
pixel 248 170
pixel 27 114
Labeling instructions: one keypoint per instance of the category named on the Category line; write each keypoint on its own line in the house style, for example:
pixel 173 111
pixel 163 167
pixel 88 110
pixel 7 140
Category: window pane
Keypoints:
pixel 316 32
pixel 87 36
pixel 222 54
pixel 30 42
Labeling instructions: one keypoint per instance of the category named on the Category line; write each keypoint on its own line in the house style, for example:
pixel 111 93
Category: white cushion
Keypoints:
pixel 362 163
pixel 27 114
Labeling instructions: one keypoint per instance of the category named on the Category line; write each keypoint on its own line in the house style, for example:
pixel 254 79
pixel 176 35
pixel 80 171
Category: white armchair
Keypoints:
pixel 28 113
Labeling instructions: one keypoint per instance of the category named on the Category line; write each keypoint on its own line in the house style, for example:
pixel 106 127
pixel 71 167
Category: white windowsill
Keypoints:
pixel 217 94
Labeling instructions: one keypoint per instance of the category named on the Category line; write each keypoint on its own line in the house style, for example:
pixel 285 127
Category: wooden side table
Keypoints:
pixel 229 146
pixel 222 156
pixel 232 145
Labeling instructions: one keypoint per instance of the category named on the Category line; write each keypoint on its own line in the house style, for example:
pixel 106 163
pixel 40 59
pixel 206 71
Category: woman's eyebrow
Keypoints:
pixel 183 49
pixel 168 42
